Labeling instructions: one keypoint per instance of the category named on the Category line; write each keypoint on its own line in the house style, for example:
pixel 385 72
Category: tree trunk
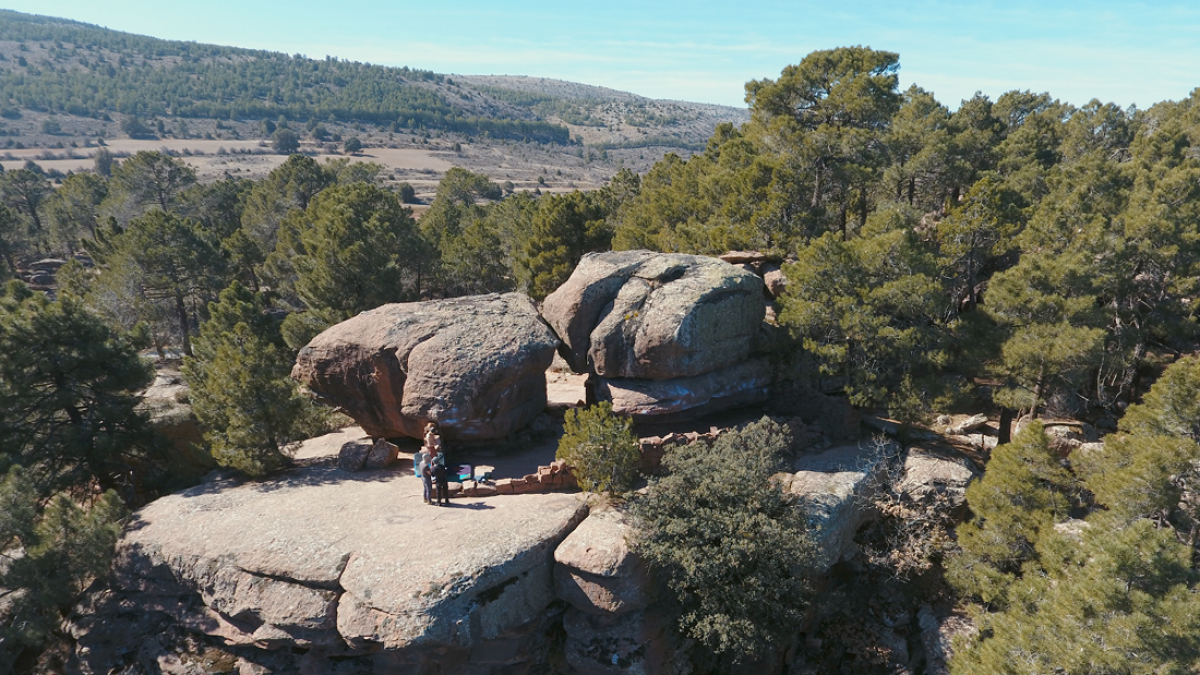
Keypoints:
pixel 1006 420
pixel 181 311
pixel 862 207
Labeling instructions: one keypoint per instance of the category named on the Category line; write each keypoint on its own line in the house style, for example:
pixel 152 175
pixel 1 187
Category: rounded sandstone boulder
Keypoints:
pixel 645 315
pixel 476 365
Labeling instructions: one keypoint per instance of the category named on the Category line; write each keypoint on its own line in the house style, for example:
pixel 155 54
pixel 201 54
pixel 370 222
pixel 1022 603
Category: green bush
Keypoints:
pixel 728 543
pixel 600 448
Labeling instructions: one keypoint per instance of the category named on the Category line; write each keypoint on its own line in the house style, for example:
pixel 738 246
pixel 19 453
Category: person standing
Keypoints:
pixel 424 459
pixel 421 469
pixel 441 484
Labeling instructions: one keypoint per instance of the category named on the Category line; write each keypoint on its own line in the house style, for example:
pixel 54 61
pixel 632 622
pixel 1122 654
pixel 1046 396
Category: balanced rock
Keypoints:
pixel 476 365
pixel 645 315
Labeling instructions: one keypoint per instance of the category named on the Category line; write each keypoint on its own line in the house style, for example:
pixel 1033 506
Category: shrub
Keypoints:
pixel 600 448
pixel 728 543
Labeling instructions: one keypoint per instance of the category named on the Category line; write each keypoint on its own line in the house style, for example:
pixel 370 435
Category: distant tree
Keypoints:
pixel 176 262
pixel 151 179
pixel 73 209
pixel 355 248
pixel 24 190
pixel 11 240
pixel 286 141
pixel 353 145
pixel 103 162
pixel 731 549
pixel 135 127
pixel 600 448
pixel 51 126
pixel 408 195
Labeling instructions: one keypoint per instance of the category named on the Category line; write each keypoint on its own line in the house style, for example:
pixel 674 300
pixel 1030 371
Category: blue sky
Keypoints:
pixel 1121 52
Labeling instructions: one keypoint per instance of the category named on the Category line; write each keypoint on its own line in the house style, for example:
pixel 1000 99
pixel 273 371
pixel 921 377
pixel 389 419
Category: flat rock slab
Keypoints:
pixel 476 365
pixel 351 562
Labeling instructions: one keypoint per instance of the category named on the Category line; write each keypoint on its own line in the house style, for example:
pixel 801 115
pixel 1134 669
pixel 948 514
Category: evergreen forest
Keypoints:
pixel 1020 254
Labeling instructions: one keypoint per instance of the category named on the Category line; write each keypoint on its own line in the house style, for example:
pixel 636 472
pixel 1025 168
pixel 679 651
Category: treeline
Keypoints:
pixel 1048 249
pixel 91 71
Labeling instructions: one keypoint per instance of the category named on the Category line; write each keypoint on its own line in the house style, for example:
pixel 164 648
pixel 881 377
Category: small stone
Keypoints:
pixel 383 454
pixel 353 455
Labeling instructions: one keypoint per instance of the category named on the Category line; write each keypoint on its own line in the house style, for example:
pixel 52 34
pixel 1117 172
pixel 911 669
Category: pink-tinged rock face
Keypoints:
pixel 476 365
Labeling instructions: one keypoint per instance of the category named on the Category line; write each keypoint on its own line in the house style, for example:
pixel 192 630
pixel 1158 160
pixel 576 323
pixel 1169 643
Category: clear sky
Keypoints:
pixel 1121 52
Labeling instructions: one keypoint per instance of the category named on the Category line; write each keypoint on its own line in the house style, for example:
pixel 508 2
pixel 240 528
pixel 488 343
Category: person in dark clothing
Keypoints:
pixel 440 482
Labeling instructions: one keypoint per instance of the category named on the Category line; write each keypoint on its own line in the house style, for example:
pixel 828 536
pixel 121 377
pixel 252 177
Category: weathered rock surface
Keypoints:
pixel 836 487
pixel 644 315
pixel 928 473
pixel 740 384
pixel 638 643
pixel 597 572
pixel 167 403
pixel 337 565
pixel 353 454
pixel 776 282
pixel 476 365
pixel 969 425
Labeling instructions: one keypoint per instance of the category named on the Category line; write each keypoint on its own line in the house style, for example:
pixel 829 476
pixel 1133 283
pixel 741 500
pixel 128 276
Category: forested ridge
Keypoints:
pixel 85 70
pixel 1020 255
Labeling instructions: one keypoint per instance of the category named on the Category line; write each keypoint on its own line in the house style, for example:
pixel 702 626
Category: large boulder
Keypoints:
pixel 836 488
pixel 476 365
pixel 740 384
pixel 930 473
pixel 644 315
pixel 373 576
pixel 597 572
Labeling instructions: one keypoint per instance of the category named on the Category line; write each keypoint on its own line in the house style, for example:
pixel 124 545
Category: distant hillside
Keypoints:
pixel 65 67
pixel 629 120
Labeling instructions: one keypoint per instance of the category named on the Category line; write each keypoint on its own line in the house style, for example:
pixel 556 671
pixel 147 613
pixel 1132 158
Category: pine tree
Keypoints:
pixel 1022 493
pixel 357 249
pixel 249 407
pixel 68 412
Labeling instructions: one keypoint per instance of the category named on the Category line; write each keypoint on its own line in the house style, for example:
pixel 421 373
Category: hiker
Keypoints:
pixel 423 460
pixel 441 484
pixel 421 469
